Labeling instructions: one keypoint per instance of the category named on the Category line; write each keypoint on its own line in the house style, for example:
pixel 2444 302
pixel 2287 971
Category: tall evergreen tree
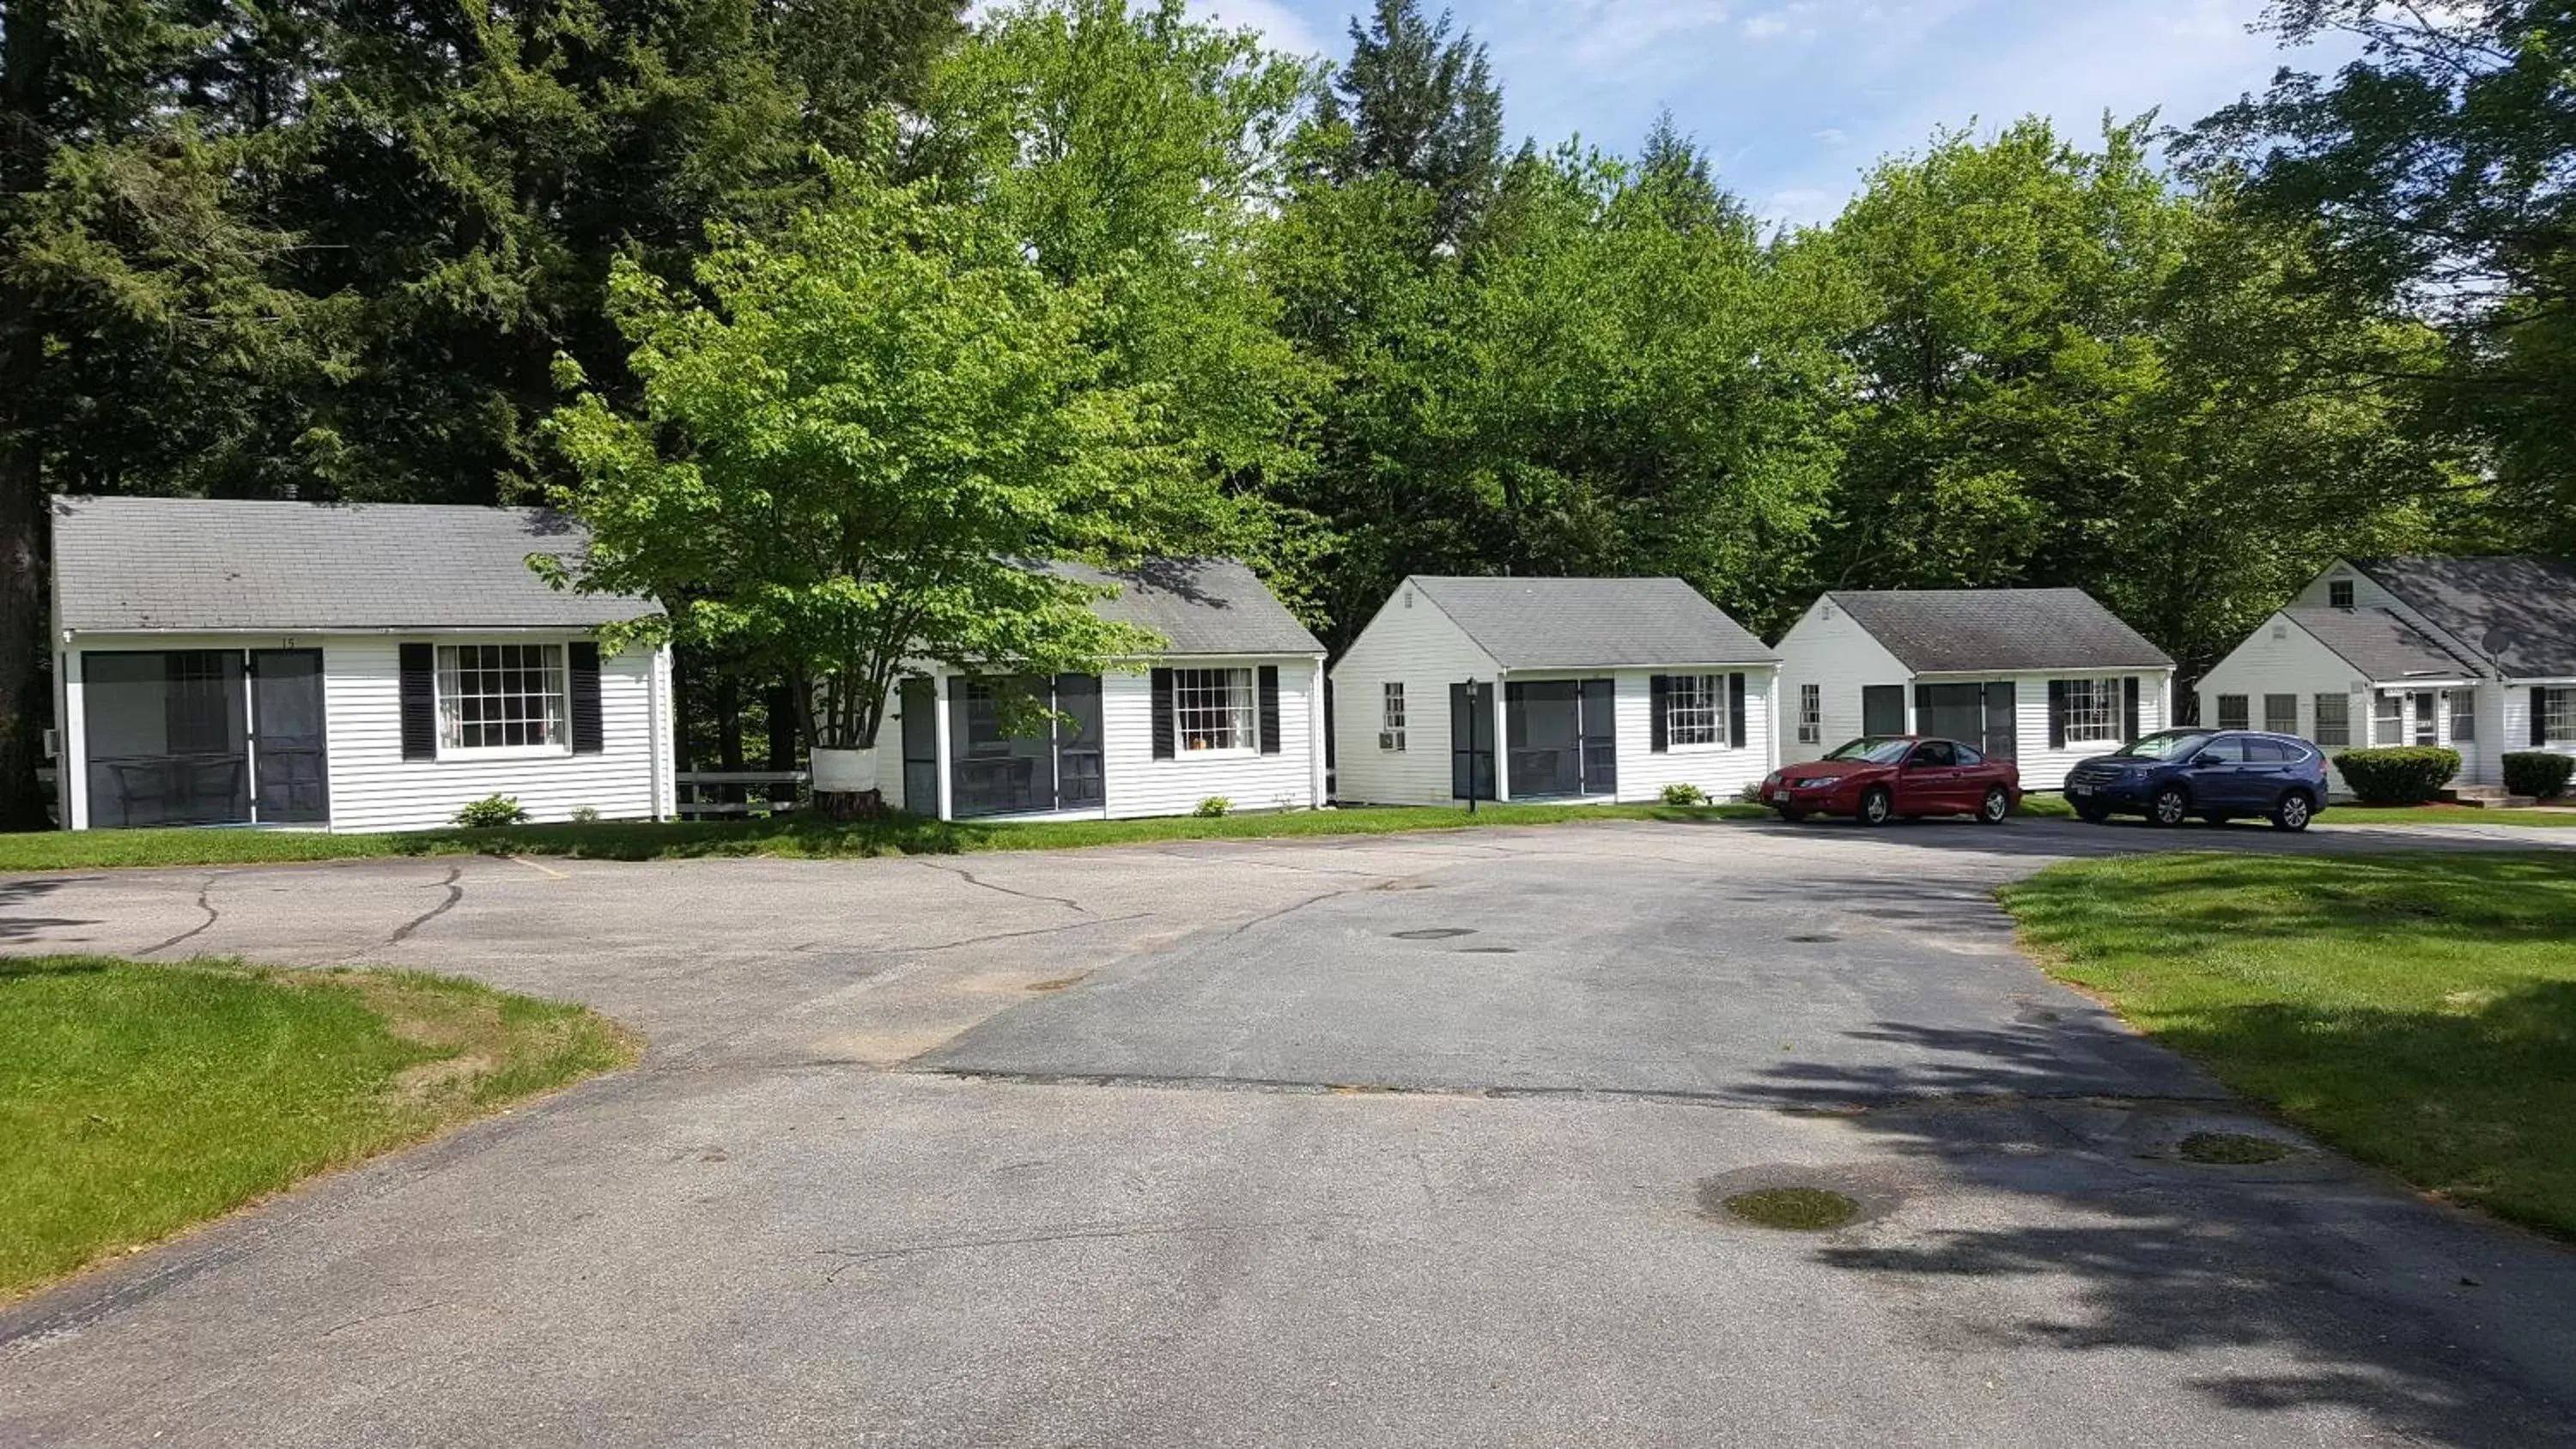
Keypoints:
pixel 1421 105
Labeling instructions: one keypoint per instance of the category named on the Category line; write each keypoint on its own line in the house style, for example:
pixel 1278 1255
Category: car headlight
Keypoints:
pixel 1771 779
pixel 1821 782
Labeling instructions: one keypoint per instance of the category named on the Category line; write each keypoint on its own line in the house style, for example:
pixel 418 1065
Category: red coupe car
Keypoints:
pixel 1878 779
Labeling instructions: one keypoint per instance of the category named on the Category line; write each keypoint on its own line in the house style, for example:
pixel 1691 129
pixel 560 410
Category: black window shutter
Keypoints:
pixel 419 702
pixel 2057 714
pixel 1163 714
pixel 1735 710
pixel 1268 713
pixel 2129 708
pixel 2539 716
pixel 589 729
pixel 1660 736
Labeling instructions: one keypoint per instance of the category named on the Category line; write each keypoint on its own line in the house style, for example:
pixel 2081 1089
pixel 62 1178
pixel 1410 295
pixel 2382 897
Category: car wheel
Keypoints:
pixel 2091 814
pixel 1876 807
pixel 1785 813
pixel 1996 806
pixel 2169 808
pixel 2294 812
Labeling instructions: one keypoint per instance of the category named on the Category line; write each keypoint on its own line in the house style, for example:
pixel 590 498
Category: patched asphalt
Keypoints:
pixel 1393 1141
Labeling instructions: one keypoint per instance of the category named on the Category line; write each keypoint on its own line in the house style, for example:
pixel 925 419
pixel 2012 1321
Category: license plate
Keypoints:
pixel 1780 797
pixel 2079 789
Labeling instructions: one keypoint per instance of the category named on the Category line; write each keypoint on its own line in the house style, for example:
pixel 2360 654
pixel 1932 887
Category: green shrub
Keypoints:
pixel 1214 806
pixel 2403 775
pixel 2538 773
pixel 493 810
pixel 1680 793
pixel 585 815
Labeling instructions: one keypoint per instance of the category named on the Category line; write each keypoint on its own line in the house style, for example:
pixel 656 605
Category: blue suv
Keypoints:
pixel 2217 775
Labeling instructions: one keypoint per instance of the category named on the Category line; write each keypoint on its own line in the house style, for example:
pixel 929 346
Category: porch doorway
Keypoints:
pixel 1560 738
pixel 205 737
pixel 1973 714
pixel 1057 765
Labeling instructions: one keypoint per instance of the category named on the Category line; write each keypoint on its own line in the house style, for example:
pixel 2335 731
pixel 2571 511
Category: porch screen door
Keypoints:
pixel 289 754
pixel 920 747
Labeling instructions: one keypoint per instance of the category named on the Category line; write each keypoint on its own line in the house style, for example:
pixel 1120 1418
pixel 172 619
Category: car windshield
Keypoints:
pixel 2169 745
pixel 1875 752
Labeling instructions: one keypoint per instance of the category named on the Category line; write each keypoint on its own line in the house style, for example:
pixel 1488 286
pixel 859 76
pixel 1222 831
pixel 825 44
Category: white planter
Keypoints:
pixel 844 772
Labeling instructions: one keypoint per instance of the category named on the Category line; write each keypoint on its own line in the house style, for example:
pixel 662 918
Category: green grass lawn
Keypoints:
pixel 782 836
pixel 137 1098
pixel 2418 1011
pixel 2054 807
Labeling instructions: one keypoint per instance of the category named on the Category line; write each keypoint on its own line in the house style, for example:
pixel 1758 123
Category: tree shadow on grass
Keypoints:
pixel 2435 1325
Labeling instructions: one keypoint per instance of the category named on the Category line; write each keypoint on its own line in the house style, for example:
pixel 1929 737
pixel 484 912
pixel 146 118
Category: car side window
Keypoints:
pixel 1933 754
pixel 1967 756
pixel 2267 752
pixel 2224 750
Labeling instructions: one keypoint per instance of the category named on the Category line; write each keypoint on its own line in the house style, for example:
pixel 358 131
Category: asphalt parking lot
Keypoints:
pixel 1382 1141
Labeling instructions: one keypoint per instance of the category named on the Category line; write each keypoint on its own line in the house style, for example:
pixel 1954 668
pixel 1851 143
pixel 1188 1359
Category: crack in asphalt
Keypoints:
pixel 455 893
pixel 1290 909
pixel 968 876
pixel 861 1257
pixel 203 904
pixel 1090 920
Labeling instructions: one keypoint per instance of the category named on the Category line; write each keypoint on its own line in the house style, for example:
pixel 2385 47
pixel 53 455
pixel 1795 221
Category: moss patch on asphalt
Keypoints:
pixel 1794 1209
pixel 138 1098
pixel 2415 1010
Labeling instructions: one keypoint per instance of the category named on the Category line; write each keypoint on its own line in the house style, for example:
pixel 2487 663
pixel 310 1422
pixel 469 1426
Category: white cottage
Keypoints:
pixel 344 666
pixel 1612 689
pixel 2044 677
pixel 1231 709
pixel 2477 654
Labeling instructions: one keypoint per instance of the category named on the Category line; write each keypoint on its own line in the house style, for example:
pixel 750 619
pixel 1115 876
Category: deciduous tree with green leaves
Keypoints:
pixel 856 448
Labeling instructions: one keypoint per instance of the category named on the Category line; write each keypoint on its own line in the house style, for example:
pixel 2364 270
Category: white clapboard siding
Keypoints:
pixel 1829 649
pixel 1137 784
pixel 2043 768
pixel 374 788
pixel 1719 771
pixel 1411 641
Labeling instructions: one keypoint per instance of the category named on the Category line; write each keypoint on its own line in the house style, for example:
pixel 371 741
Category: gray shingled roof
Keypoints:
pixel 1592 623
pixel 1204 606
pixel 1947 631
pixel 222 565
pixel 2381 645
pixel 2531 602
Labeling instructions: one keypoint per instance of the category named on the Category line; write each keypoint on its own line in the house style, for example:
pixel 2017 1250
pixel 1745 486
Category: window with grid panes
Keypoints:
pixel 501 697
pixel 1694 710
pixel 1212 710
pixel 2281 713
pixel 2235 712
pixel 2464 716
pixel 2388 719
pixel 1391 717
pixel 2093 710
pixel 2334 720
pixel 1811 714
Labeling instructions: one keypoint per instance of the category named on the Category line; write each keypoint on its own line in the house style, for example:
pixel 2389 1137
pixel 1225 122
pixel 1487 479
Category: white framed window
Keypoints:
pixel 2234 712
pixel 2557 713
pixel 1811 714
pixel 2334 721
pixel 1390 734
pixel 2339 593
pixel 2388 719
pixel 2464 716
pixel 502 697
pixel 2093 710
pixel 1212 711
pixel 2281 713
pixel 1694 710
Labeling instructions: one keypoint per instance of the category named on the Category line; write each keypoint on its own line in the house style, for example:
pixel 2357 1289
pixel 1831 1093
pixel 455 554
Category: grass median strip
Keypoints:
pixel 137 1099
pixel 780 836
pixel 2416 1010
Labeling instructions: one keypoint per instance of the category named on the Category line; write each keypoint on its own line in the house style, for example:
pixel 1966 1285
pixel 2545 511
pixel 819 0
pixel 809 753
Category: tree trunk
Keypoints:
pixel 728 723
pixel 781 702
pixel 25 702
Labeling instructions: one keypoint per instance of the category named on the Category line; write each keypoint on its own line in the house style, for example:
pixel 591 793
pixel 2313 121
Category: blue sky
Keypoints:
pixel 1794 99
